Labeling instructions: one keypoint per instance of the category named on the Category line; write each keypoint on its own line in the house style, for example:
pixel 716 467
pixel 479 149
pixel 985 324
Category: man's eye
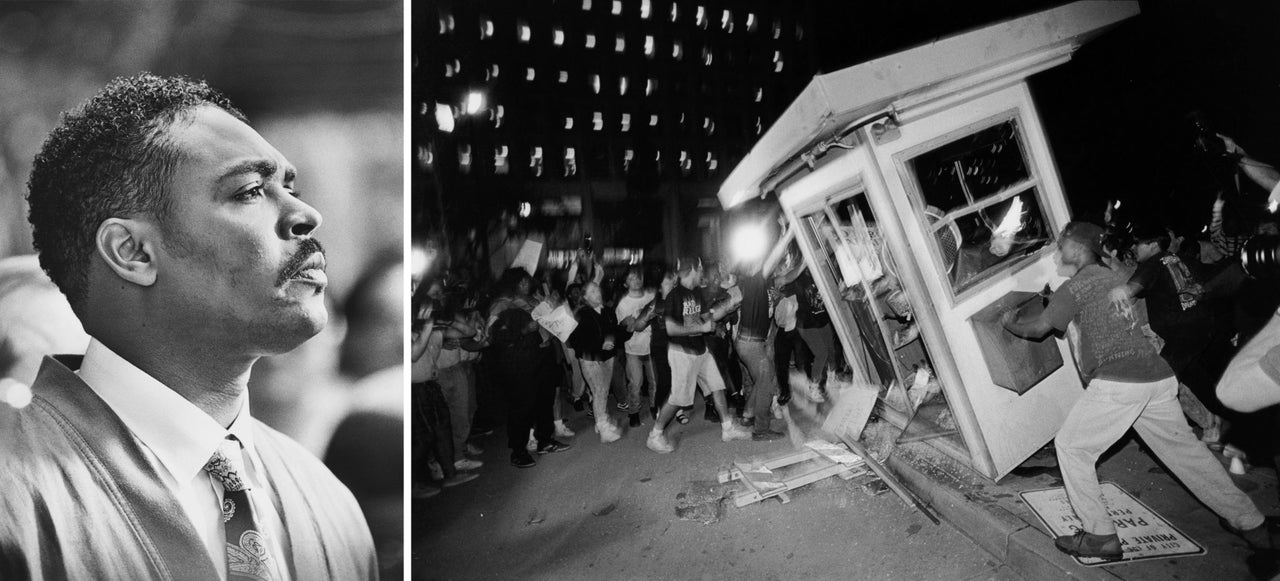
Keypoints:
pixel 250 194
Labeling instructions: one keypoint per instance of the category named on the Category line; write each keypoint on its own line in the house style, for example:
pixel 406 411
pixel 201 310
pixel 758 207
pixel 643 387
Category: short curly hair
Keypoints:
pixel 110 157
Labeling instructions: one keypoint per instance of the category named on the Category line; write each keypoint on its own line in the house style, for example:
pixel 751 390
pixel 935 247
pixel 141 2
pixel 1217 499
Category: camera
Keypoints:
pixel 1260 257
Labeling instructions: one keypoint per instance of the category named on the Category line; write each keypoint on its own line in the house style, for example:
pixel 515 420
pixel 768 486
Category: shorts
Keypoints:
pixel 689 371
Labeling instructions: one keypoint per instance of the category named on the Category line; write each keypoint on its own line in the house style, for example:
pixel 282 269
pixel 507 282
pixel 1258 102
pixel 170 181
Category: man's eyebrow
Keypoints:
pixel 262 167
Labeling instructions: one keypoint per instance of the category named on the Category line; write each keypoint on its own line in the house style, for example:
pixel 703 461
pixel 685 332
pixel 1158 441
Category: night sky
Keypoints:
pixel 1116 115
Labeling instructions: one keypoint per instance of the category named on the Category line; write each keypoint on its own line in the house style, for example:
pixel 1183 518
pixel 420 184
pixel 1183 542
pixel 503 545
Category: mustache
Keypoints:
pixel 306 249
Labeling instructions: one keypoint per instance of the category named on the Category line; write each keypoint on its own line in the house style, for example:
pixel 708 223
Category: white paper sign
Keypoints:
pixel 558 321
pixel 528 256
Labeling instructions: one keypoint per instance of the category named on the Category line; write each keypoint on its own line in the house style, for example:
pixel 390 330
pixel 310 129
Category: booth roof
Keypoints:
pixel 834 100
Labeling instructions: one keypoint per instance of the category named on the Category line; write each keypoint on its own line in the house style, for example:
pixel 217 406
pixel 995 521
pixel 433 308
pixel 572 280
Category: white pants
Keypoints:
pixel 1104 413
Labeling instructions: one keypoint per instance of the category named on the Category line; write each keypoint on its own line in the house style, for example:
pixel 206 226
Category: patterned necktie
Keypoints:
pixel 247 555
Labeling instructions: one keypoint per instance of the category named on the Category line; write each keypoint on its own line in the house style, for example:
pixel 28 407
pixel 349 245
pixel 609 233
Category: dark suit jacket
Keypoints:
pixel 80 499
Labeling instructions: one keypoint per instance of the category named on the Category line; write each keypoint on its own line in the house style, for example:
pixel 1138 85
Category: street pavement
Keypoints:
pixel 608 511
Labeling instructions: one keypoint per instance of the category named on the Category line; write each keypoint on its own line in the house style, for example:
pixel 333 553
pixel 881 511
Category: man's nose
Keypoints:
pixel 298 218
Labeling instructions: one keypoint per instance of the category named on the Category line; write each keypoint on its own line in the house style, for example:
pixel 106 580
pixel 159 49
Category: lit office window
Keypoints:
pixel 464 157
pixel 648 46
pixel 617 7
pixel 568 123
pixel 597 121
pixel 444 117
pixel 591 40
pixel 759 126
pixel 586 4
pixel 653 121
pixel 650 86
pixel 701 18
pixel 529 74
pixel 677 50
pixel 444 24
pixel 486 28
pixel 557 37
pixel 675 11
pixel 707 56
pixel 494 70
pixel 564 77
pixel 595 84
pixel 535 161
pixel 570 162
pixel 626 122
pixel 457 66
pixel 450 22
pixel 726 21
pixel 759 94
pixel 751 22
pixel 712 162
pixel 777 55
pixel 778 69
pixel 777 28
pixel 500 166
pixel 497 116
pixel 619 43
pixel 448 70
pixel 646 9
pixel 426 157
pixel 622 85
pixel 525 33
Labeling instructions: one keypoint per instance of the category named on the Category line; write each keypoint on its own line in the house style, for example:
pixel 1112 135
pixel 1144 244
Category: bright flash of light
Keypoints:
pixel 1273 206
pixel 475 102
pixel 749 242
pixel 15 393
pixel 1117 204
pixel 444 117
pixel 525 209
pixel 1012 221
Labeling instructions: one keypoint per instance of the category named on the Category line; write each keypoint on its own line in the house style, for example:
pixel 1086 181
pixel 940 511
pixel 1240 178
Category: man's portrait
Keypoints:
pixel 201 291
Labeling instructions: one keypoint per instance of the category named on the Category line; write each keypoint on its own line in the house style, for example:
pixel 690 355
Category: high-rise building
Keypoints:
pixel 627 113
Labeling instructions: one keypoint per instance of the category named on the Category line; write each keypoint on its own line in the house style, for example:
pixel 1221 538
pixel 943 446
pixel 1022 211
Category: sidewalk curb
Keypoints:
pixel 1024 548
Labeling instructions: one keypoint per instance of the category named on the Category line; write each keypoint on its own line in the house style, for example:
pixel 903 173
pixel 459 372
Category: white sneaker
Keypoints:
pixel 563 431
pixel 815 393
pixel 730 431
pixel 608 433
pixel 467 464
pixel 659 443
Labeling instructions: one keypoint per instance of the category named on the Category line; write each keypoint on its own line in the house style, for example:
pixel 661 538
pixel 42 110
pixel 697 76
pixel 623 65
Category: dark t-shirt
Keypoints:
pixel 754 320
pixel 1173 297
pixel 812 311
pixel 1112 345
pixel 686 307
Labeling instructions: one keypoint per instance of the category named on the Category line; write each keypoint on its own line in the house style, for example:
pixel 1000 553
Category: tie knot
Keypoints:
pixel 227 465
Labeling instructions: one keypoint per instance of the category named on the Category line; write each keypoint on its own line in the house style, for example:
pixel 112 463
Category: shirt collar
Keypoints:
pixel 180 434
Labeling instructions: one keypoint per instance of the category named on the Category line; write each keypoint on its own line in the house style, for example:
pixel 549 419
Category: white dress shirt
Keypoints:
pixel 180 438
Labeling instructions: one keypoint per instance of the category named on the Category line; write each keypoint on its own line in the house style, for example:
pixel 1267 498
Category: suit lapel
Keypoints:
pixel 160 525
pixel 307 551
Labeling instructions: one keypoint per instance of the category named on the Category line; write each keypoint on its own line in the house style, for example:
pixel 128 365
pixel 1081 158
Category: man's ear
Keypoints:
pixel 127 247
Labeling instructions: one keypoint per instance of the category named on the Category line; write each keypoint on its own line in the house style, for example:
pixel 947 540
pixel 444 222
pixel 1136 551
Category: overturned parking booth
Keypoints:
pixel 922 195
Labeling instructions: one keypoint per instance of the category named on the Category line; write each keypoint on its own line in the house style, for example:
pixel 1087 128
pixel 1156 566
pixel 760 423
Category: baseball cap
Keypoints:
pixel 1086 233
pixel 688 262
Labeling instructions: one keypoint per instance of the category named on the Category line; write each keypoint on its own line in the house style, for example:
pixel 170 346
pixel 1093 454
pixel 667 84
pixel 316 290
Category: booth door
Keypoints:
pixel 859 281
pixel 976 190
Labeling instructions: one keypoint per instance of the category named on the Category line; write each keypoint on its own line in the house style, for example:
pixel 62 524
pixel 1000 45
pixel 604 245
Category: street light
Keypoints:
pixel 475 102
pixel 749 242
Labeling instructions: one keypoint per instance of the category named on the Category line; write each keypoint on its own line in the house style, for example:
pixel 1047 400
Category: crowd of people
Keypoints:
pixel 1159 314
pixel 540 351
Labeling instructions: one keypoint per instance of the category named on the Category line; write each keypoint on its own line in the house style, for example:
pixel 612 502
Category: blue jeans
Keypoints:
pixel 639 367
pixel 758 358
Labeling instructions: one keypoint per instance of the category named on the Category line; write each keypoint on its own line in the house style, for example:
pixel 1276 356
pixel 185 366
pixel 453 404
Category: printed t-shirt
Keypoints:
pixel 1112 344
pixel 685 307
pixel 629 306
